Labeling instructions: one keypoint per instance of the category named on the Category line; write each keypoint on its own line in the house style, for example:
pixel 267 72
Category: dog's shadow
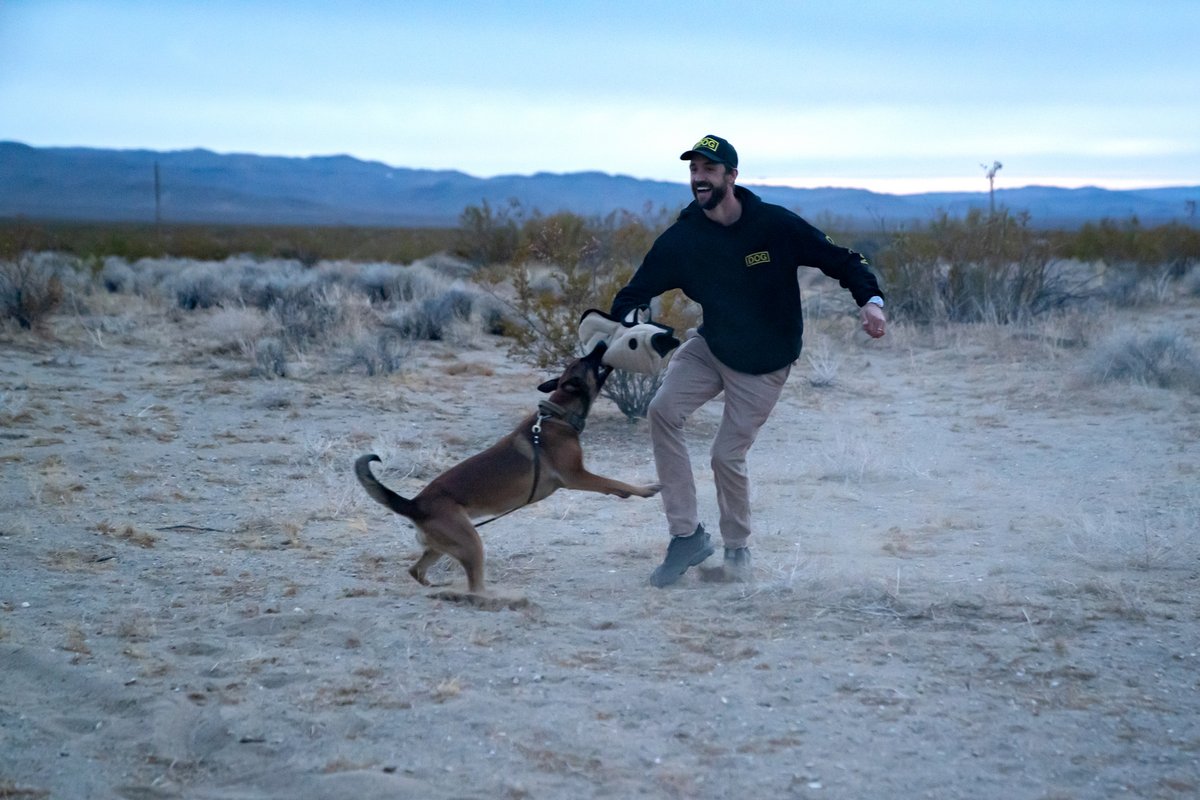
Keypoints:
pixel 485 602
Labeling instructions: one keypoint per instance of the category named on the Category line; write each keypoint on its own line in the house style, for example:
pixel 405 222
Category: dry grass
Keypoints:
pixel 137 626
pixel 53 484
pixel 14 410
pixel 1131 535
pixel 127 533
pixel 13 791
pixel 447 689
pixel 267 533
pixel 823 365
pixel 75 560
pixel 75 641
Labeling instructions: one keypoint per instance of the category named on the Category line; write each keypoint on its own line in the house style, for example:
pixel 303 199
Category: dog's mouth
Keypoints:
pixel 596 360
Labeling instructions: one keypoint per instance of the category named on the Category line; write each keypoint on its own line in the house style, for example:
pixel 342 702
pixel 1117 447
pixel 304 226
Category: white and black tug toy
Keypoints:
pixel 635 343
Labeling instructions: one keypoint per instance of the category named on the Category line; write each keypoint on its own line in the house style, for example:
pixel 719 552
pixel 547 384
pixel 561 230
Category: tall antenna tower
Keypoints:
pixel 991 176
pixel 157 196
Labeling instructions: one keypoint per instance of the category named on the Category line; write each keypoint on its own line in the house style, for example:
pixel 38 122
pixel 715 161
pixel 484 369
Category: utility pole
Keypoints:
pixel 991 176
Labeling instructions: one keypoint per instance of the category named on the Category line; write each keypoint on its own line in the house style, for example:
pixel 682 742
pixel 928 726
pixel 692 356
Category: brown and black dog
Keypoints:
pixel 540 456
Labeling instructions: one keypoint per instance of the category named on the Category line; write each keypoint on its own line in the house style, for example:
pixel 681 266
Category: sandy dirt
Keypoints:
pixel 975 576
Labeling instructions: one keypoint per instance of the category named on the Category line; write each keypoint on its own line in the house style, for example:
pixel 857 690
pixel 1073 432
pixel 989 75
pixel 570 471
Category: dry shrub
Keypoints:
pixel 116 275
pixel 30 290
pixel 202 285
pixel 1164 359
pixel 382 353
pixel 488 236
pixel 231 330
pixel 307 317
pixel 984 267
pixel 1189 284
pixel 268 356
pixel 457 314
pixel 823 364
pixel 1170 249
pixel 392 283
pixel 632 392
pixel 260 285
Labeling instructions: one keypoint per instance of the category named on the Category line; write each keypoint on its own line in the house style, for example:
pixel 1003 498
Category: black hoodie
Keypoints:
pixel 744 278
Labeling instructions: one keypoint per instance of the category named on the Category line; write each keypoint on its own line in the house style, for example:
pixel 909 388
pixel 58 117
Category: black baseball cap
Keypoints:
pixel 714 148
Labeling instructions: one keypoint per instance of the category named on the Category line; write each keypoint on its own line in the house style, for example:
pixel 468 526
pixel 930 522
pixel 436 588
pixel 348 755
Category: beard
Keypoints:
pixel 715 196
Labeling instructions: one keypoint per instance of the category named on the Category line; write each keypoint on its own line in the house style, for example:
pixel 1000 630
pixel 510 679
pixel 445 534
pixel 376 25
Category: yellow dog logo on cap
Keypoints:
pixel 708 143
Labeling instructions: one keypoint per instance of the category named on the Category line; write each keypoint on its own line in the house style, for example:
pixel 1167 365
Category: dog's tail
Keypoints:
pixel 380 493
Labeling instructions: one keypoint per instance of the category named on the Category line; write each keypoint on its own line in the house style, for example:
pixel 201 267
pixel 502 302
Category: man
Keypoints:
pixel 736 256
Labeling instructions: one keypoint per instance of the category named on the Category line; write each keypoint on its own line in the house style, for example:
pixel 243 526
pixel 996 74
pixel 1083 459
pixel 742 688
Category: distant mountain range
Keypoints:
pixel 205 187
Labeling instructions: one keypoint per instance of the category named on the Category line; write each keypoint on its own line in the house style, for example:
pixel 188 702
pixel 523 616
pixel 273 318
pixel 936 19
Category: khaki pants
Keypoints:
pixel 694 377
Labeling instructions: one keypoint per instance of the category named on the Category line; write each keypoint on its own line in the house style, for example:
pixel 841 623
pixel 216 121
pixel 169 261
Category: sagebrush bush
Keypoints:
pixel 309 317
pixel 268 355
pixel 230 330
pixel 202 285
pixel 1165 359
pixel 379 353
pixel 1190 283
pixel 116 276
pixel 263 285
pixel 391 283
pixel 31 289
pixel 449 316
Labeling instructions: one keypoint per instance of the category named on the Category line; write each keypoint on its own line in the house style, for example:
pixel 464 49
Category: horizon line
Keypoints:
pixel 901 186
pixel 958 184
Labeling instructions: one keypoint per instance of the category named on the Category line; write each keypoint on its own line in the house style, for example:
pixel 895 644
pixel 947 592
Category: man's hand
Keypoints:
pixel 873 320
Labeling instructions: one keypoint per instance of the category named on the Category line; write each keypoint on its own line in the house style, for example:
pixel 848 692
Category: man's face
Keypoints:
pixel 711 182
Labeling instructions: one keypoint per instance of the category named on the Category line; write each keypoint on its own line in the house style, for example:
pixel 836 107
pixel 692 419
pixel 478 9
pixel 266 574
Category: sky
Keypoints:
pixel 896 96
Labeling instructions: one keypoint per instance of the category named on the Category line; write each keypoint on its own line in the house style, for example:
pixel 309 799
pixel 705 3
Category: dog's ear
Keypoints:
pixel 549 386
pixel 572 385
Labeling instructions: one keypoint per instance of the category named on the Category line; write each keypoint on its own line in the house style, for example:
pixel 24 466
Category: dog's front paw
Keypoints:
pixel 651 490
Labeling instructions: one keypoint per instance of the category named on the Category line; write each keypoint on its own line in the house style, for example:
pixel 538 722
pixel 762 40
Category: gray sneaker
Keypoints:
pixel 682 552
pixel 737 564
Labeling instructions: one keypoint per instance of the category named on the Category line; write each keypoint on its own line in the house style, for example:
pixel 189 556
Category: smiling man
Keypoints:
pixel 736 256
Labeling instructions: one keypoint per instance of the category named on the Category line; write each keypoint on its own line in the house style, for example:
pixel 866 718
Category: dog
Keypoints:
pixel 542 455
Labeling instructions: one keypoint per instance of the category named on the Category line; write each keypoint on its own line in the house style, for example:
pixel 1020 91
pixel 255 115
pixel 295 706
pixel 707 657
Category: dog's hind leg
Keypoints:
pixel 457 537
pixel 427 560
pixel 450 532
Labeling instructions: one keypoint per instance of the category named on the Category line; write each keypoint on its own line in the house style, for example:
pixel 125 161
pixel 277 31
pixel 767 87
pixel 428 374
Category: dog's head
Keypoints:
pixel 580 382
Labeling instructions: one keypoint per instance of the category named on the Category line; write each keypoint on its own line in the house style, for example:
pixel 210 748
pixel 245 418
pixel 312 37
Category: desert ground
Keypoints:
pixel 976 575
